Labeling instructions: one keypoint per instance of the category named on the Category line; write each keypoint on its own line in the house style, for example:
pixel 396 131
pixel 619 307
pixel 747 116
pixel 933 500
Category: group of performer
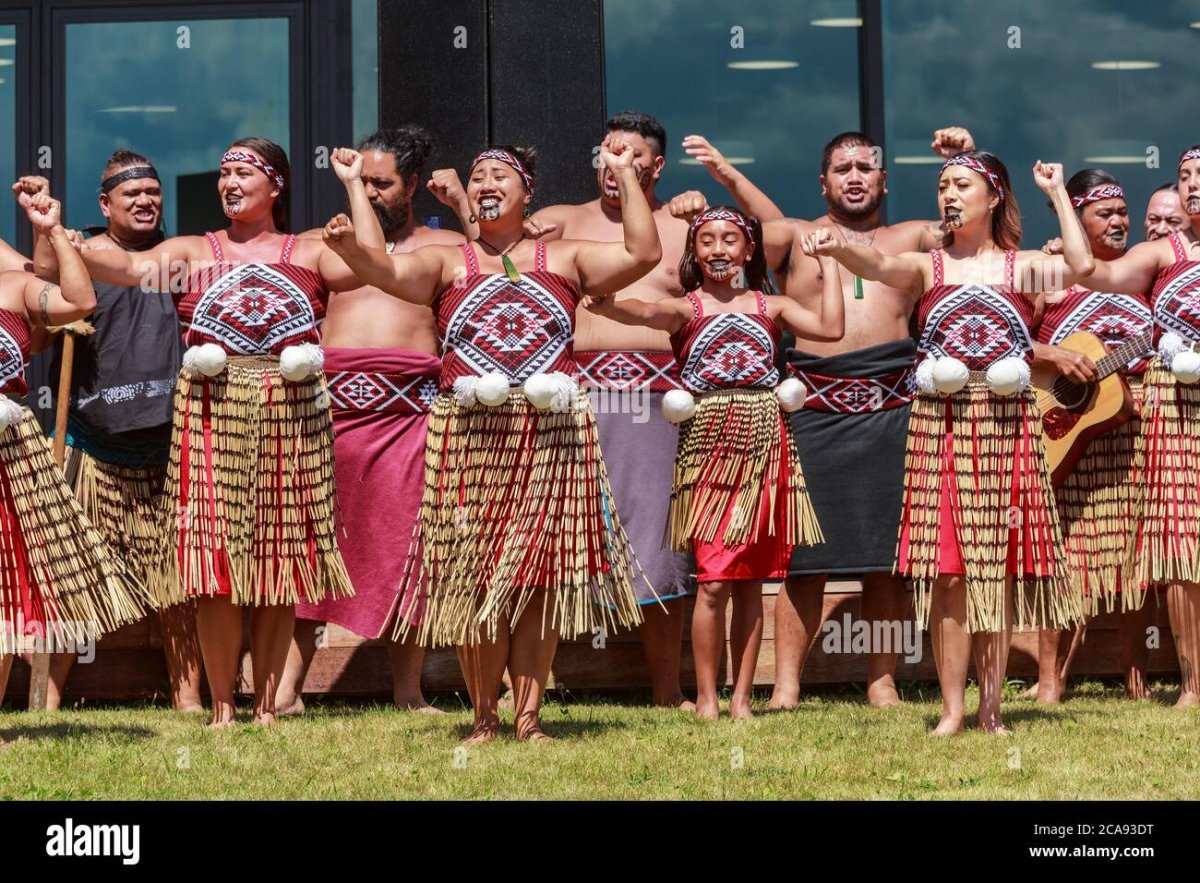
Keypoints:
pixel 388 427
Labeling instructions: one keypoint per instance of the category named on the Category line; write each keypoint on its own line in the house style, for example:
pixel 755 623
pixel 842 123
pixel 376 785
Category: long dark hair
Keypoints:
pixel 1006 219
pixel 274 156
pixel 757 278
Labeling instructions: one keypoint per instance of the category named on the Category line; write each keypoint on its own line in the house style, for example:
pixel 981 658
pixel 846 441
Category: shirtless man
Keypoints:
pixel 629 368
pixel 382 363
pixel 851 434
pixel 1164 213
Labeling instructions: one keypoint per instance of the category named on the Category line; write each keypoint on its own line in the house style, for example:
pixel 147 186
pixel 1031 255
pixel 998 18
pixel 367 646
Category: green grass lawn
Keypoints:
pixel 1096 745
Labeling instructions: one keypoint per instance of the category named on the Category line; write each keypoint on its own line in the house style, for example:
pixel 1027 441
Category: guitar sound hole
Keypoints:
pixel 1073 396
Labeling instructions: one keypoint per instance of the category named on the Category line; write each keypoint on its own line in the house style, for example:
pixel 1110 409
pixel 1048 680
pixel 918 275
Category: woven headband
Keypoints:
pixel 508 159
pixel 129 174
pixel 241 156
pixel 975 165
pixel 1194 153
pixel 1106 191
pixel 722 214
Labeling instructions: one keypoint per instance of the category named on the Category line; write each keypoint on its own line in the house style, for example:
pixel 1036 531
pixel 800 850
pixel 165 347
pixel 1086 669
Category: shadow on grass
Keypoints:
pixel 64 730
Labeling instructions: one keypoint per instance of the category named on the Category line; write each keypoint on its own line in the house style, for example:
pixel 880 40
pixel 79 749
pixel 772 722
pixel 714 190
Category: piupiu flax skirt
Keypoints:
pixel 1097 504
pixel 738 497
pixel 1164 543
pixel 517 506
pixel 57 577
pixel 978 502
pixel 248 509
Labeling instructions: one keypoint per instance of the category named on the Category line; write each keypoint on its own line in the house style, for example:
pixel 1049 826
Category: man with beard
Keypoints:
pixel 1164 213
pixel 119 422
pixel 628 369
pixel 852 431
pixel 382 364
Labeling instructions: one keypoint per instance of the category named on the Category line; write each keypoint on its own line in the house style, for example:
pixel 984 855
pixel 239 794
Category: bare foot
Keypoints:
pixel 264 720
pixel 534 735
pixel 482 733
pixel 948 726
pixel 296 706
pixel 677 701
pixel 215 724
pixel 1049 694
pixel 784 700
pixel 707 709
pixel 739 710
pixel 1031 692
pixel 189 708
pixel 883 695
pixel 1188 700
pixel 1135 685
pixel 991 723
pixel 414 703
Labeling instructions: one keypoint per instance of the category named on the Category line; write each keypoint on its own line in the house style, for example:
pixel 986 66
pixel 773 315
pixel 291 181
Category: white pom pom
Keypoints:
pixel 949 375
pixel 540 390
pixel 321 400
pixel 207 359
pixel 10 413
pixel 923 376
pixel 1008 376
pixel 492 389
pixel 678 405
pixel 1186 367
pixel 792 394
pixel 464 391
pixel 301 362
pixel 565 391
pixel 1169 346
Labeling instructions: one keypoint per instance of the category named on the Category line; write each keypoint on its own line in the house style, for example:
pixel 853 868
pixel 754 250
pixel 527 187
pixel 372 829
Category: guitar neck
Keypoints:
pixel 1124 354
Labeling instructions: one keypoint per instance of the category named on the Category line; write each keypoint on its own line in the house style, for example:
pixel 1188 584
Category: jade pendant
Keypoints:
pixel 513 275
pixel 858 289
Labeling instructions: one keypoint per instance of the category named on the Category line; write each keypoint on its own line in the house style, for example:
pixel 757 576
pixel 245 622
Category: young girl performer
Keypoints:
pixel 58 580
pixel 520 536
pixel 978 516
pixel 738 499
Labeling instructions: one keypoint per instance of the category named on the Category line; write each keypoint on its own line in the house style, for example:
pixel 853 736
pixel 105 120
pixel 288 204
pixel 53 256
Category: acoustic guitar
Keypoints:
pixel 1075 413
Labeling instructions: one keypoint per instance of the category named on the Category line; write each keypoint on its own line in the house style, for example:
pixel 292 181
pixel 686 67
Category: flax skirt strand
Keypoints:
pixel 729 456
pixel 516 501
pixel 55 571
pixel 984 454
pixel 1097 504
pixel 248 507
pixel 122 502
pixel 1164 545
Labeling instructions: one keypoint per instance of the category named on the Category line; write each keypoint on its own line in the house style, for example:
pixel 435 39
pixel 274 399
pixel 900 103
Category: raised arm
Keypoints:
pixel 744 192
pixel 447 189
pixel 905 271
pixel 416 276
pixel 1041 272
pixel 610 266
pixel 73 297
pixel 665 315
pixel 826 319
pixel 1134 271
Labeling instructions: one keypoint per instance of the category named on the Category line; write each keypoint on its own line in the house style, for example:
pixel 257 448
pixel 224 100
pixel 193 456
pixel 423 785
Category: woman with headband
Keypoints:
pixel 1096 500
pixel 248 511
pixel 1164 546
pixel 979 535
pixel 738 501
pixel 520 536
pixel 58 580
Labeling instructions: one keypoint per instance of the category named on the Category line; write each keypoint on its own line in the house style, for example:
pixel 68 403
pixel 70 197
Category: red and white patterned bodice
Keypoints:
pixel 977 324
pixel 1175 297
pixel 727 350
pixel 14 353
pixel 1114 318
pixel 488 323
pixel 252 308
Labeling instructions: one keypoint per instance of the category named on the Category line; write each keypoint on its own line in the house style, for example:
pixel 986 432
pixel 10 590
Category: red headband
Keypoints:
pixel 1106 191
pixel 722 214
pixel 508 159
pixel 1194 153
pixel 269 170
pixel 975 165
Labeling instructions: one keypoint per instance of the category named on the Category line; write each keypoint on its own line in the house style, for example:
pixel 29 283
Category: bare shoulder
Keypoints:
pixel 914 236
pixel 562 213
pixel 314 233
pixel 424 236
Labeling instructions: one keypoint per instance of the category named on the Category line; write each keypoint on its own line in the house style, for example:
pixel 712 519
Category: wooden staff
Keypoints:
pixel 39 679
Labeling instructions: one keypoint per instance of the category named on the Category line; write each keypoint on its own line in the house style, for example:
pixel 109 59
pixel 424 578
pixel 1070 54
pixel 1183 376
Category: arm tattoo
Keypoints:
pixel 44 302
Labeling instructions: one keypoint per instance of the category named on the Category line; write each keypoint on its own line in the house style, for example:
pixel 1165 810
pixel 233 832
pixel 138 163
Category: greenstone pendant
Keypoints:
pixel 858 288
pixel 513 275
